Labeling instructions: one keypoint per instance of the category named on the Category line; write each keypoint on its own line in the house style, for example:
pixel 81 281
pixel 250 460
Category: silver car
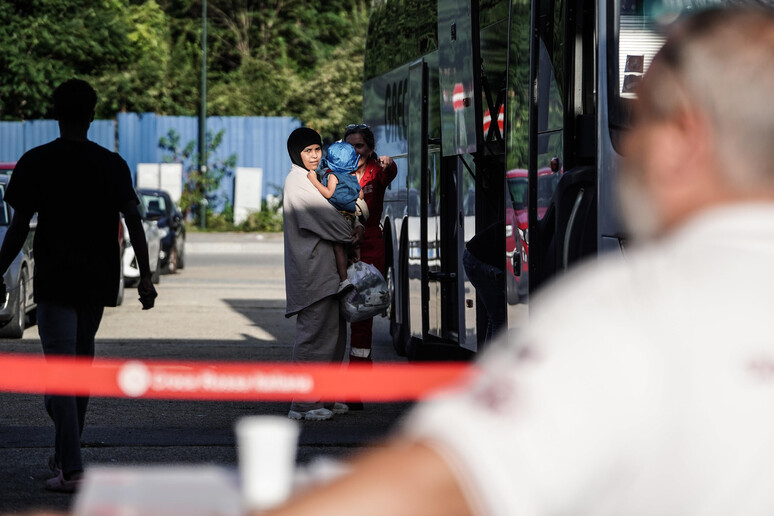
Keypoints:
pixel 131 271
pixel 18 305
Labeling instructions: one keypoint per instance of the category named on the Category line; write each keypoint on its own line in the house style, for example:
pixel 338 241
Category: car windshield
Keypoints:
pixel 517 186
pixel 154 203
pixel 4 216
pixel 141 206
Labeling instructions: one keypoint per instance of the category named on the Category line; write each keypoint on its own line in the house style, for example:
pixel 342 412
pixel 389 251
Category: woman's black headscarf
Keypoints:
pixel 299 140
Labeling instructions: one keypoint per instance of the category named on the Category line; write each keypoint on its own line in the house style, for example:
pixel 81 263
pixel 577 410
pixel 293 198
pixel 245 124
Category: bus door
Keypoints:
pixel 562 174
pixel 432 271
pixel 435 253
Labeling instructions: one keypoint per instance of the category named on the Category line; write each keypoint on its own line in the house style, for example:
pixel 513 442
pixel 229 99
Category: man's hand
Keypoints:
pixel 147 293
pixel 357 235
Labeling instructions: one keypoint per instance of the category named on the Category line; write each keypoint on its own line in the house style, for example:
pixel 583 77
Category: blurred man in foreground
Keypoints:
pixel 656 397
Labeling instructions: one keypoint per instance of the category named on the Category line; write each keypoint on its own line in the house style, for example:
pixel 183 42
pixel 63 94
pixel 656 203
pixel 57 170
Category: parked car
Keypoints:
pixel 517 224
pixel 158 203
pixel 18 304
pixel 122 245
pixel 130 269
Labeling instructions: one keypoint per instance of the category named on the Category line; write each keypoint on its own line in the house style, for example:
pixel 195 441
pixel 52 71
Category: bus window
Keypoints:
pixel 639 36
pixel 492 11
pixel 551 95
pixel 390 44
pixel 517 103
pixel 396 203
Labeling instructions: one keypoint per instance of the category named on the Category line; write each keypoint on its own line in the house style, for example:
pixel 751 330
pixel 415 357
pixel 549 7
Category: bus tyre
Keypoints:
pixel 397 330
pixel 414 349
pixel 400 331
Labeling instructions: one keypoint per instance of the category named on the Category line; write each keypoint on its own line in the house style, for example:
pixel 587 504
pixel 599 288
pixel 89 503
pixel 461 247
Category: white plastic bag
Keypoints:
pixel 369 297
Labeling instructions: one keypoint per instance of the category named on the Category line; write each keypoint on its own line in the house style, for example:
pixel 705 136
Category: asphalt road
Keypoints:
pixel 227 304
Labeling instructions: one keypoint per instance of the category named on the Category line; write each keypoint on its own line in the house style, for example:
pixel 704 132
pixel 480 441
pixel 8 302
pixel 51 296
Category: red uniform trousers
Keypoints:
pixel 371 251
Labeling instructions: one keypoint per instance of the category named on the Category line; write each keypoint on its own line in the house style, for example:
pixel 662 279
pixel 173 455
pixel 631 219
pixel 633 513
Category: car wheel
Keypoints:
pixel 121 284
pixel 15 328
pixel 172 264
pixel 512 287
pixel 156 275
pixel 32 317
pixel 181 253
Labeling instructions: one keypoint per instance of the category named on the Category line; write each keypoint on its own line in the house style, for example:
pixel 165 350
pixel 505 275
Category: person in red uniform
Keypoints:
pixel 374 174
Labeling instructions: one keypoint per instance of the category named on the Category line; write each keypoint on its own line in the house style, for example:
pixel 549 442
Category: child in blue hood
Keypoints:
pixel 340 186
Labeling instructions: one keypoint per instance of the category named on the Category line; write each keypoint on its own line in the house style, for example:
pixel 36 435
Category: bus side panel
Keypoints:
pixel 385 110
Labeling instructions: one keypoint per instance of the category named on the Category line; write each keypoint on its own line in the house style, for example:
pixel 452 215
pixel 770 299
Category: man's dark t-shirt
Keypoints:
pixel 77 189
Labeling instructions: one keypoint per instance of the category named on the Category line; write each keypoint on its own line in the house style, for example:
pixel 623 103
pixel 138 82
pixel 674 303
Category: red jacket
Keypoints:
pixel 374 182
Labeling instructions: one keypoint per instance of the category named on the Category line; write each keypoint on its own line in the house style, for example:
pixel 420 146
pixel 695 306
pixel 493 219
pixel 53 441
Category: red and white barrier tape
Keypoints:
pixel 266 381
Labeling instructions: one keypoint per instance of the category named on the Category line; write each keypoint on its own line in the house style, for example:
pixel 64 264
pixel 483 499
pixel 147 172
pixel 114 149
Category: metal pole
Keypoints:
pixel 203 115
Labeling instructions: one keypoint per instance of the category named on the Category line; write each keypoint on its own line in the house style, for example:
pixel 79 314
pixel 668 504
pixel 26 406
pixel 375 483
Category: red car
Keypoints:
pixel 517 224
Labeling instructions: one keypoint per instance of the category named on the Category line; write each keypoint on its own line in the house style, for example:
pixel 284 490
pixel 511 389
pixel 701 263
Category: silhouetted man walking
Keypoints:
pixel 77 188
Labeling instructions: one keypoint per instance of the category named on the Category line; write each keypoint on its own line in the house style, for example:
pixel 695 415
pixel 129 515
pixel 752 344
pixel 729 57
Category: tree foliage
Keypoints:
pixel 201 185
pixel 299 58
pixel 415 35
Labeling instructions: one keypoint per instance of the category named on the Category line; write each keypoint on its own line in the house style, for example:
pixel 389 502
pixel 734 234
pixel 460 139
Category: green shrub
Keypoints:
pixel 264 221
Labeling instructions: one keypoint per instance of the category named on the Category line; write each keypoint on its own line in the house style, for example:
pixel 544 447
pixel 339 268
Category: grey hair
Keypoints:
pixel 724 61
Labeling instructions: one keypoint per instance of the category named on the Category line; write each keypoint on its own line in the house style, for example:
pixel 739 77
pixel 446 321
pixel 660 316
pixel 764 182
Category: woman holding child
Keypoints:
pixel 312 226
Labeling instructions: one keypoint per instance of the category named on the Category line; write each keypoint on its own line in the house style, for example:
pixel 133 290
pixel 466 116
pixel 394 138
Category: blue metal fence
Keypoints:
pixel 256 141
pixel 16 138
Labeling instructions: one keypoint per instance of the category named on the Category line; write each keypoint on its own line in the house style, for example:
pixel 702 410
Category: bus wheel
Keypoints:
pixel 398 286
pixel 397 330
pixel 415 350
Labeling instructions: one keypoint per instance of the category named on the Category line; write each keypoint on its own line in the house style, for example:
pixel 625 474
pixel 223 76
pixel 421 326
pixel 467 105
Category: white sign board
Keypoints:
pixel 162 176
pixel 248 192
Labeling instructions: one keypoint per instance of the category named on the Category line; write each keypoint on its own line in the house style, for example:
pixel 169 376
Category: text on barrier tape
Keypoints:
pixel 268 381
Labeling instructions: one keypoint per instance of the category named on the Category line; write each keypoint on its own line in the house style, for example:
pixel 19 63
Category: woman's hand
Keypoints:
pixel 385 161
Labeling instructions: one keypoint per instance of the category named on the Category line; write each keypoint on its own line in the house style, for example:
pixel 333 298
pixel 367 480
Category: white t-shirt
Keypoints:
pixel 642 386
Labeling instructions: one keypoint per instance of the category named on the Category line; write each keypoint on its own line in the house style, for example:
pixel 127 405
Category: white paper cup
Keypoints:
pixel 267 458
